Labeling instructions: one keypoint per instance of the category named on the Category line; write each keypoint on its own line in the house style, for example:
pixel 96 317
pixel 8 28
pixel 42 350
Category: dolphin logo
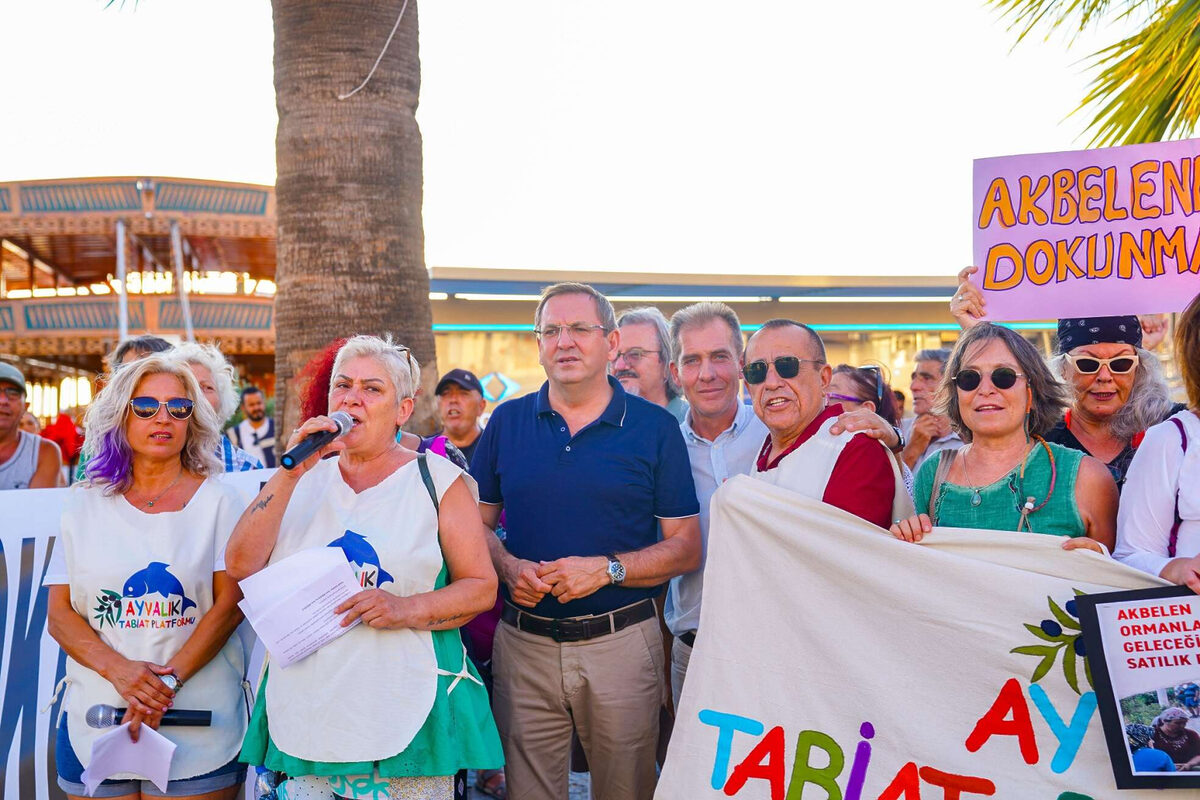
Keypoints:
pixel 359 551
pixel 155 579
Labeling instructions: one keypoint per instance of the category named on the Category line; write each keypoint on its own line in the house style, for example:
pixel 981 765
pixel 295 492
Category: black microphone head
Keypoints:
pixel 102 716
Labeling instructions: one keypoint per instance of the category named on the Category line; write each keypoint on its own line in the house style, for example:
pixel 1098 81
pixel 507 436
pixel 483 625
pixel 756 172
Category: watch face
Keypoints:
pixel 171 681
pixel 616 571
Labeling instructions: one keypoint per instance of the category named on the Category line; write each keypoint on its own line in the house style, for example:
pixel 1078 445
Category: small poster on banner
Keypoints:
pixel 1147 683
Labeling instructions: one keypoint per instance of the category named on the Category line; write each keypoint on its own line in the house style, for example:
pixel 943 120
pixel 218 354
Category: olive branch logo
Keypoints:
pixel 1061 634
pixel 108 607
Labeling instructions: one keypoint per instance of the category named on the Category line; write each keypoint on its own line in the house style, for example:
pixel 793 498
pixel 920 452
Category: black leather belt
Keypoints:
pixel 688 638
pixel 578 629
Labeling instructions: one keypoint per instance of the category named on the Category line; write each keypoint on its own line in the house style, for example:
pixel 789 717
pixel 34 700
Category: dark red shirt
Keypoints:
pixel 862 481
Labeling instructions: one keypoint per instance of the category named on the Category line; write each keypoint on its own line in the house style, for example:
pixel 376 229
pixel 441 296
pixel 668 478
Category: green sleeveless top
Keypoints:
pixel 1001 502
pixel 459 732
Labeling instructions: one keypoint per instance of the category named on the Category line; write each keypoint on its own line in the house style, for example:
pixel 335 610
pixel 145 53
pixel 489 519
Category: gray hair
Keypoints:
pixel 224 376
pixel 698 314
pixel 106 446
pixel 141 345
pixel 1149 400
pixel 604 309
pixel 1050 396
pixel 649 315
pixel 941 355
pixel 396 359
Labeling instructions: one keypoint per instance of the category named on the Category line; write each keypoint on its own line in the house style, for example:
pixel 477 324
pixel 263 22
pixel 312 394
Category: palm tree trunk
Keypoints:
pixel 351 247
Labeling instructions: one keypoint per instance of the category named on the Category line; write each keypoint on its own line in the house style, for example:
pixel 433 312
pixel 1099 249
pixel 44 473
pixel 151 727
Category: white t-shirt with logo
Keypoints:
pixel 143 581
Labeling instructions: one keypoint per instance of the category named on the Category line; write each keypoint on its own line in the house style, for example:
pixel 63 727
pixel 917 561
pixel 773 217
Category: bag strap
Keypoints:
pixel 945 459
pixel 427 479
pixel 1174 539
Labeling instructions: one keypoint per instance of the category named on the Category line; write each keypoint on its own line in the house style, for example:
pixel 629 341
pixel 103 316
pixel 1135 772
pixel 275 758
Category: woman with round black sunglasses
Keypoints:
pixel 1119 387
pixel 1001 398
pixel 139 598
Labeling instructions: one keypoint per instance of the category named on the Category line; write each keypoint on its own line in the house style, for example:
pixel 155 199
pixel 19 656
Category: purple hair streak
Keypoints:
pixel 113 462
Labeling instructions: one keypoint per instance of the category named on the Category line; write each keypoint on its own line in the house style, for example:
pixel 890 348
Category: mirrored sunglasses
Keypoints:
pixel 147 407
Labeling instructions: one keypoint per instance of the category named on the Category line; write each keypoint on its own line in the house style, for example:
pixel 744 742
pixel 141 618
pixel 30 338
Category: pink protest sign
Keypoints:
pixel 1089 232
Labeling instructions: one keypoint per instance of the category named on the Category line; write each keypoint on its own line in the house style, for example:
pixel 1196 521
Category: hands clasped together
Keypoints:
pixel 147 698
pixel 565 578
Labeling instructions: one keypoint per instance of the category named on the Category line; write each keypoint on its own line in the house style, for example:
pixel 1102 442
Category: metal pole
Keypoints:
pixel 177 255
pixel 123 297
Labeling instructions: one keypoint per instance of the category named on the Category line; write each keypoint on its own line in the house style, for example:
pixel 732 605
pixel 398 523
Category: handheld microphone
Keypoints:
pixel 316 441
pixel 105 716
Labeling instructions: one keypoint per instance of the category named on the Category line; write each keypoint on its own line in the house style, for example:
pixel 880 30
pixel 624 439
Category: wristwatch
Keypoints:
pixel 616 570
pixel 171 682
pixel 900 443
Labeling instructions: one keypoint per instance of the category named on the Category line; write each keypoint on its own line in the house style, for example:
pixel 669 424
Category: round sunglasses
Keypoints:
pixel 786 367
pixel 1090 365
pixel 968 380
pixel 147 407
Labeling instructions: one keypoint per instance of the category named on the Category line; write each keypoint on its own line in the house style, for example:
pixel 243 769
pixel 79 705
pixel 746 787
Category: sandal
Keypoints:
pixel 491 783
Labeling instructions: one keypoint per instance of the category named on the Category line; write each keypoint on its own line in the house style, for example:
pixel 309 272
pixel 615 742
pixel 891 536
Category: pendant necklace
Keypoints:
pixel 150 503
pixel 975 498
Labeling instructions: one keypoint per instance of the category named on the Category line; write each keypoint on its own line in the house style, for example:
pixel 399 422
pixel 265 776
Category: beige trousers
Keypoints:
pixel 608 689
pixel 681 654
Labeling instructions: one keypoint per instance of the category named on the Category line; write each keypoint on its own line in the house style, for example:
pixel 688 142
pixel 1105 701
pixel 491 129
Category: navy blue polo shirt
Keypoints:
pixel 600 491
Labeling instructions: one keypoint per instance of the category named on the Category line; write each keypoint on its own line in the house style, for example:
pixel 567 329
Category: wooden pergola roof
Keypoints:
pixel 63 232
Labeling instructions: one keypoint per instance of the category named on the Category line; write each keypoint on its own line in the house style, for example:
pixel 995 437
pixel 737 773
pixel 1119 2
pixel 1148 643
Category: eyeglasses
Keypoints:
pixel 968 380
pixel 843 397
pixel 786 367
pixel 1089 365
pixel 576 332
pixel 147 407
pixel 12 393
pixel 634 355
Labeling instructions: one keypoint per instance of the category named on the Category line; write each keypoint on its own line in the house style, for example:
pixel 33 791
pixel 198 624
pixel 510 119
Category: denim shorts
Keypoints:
pixel 70 776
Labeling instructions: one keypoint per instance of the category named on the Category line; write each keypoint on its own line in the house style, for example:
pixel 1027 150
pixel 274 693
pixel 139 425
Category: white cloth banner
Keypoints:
pixel 31 661
pixel 834 661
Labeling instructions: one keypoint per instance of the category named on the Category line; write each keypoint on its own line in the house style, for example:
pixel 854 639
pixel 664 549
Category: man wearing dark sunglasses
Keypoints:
pixel 786 370
pixel 27 461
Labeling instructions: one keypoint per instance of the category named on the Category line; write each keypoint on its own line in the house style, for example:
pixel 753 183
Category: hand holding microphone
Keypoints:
pixel 316 435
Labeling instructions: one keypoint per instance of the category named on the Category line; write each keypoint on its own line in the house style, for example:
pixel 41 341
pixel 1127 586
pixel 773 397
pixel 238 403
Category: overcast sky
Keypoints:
pixel 657 135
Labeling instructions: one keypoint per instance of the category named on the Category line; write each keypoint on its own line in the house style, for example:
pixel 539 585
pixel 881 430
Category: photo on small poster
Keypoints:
pixel 1143 650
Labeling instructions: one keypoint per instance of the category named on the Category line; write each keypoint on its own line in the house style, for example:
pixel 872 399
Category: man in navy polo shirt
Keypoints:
pixel 587 475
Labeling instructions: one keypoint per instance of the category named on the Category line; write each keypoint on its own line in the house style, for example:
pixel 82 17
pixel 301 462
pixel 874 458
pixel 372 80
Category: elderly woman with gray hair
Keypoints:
pixel 139 598
pixel 217 380
pixel 400 703
pixel 1176 739
pixel 1002 398
pixel 1119 387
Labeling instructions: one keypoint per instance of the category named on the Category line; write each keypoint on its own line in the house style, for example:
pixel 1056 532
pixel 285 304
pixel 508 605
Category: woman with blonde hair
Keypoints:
pixel 139 598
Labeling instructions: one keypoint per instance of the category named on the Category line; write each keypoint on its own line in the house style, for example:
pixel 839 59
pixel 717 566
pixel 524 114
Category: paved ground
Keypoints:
pixel 580 787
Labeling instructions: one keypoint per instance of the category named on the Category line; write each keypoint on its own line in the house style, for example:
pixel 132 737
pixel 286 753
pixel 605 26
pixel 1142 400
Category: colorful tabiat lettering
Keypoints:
pixel 1009 716
pixel 766 761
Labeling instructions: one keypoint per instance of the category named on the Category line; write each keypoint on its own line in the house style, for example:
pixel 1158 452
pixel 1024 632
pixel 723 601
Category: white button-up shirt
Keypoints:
pixel 733 452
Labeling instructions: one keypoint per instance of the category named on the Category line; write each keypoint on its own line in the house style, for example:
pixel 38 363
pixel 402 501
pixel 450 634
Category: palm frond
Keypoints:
pixel 1027 15
pixel 1148 86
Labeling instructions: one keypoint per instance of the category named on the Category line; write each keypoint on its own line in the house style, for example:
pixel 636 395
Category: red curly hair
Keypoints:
pixel 316 376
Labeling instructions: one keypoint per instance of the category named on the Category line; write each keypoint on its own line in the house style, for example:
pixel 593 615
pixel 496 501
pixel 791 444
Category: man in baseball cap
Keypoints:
pixel 461 402
pixel 27 461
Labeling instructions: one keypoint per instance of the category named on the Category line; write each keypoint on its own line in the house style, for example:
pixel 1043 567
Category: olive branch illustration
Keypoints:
pixel 1060 634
